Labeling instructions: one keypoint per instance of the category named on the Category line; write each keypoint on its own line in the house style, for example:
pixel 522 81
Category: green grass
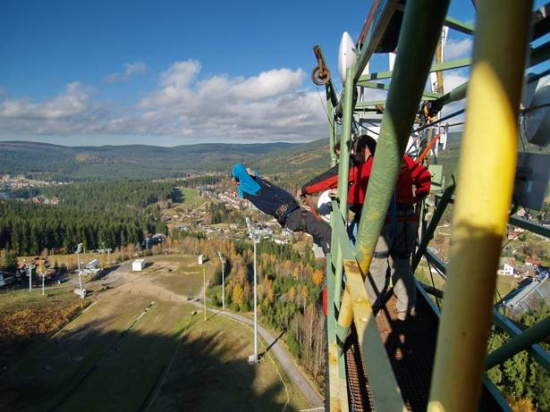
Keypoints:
pixel 212 360
pixel 22 298
pixel 127 372
pixel 118 356
pixel 191 197
pixel 186 275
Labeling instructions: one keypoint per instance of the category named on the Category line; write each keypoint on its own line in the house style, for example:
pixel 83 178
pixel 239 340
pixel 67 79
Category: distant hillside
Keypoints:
pixel 45 161
pixel 294 166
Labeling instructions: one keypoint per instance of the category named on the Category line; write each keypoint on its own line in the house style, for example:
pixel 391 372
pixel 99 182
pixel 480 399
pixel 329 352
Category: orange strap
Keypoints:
pixel 427 149
pixel 313 210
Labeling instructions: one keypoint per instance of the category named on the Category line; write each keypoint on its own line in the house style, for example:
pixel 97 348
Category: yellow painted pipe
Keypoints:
pixel 484 191
pixel 334 378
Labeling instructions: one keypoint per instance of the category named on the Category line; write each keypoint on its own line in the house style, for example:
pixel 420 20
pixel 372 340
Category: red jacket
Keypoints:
pixel 358 182
pixel 413 182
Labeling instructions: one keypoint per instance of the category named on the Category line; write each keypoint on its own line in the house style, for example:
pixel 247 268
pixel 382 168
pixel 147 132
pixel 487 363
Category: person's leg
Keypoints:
pixel 404 286
pixel 306 222
pixel 353 229
pixel 320 230
pixel 376 281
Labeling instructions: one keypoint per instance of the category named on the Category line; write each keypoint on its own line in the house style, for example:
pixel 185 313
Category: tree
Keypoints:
pixel 318 277
pixel 238 296
pixel 10 261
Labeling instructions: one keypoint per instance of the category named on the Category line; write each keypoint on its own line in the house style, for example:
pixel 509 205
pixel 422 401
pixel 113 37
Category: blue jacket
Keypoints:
pixel 270 197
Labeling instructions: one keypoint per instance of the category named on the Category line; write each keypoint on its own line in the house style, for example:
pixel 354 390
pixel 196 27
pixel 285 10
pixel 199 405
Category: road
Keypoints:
pixel 286 362
pixel 291 369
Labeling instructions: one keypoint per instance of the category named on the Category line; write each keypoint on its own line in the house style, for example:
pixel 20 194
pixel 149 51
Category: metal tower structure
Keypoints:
pixel 373 361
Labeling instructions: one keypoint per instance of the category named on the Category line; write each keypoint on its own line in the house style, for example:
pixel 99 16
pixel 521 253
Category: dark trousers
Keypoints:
pixel 319 229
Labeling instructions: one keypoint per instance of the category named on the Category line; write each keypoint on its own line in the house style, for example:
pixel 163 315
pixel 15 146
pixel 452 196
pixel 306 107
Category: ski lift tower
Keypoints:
pixel 255 239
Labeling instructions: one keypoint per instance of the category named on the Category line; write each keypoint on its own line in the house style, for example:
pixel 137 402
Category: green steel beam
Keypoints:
pixel 422 23
pixel 536 351
pixel 459 25
pixel 437 262
pixel 446 199
pixel 530 226
pixel 340 236
pixel 431 290
pixel 369 106
pixel 356 308
pixel 383 86
pixel 535 334
pixel 347 119
pixel 540 54
pixel 449 65
pixel 331 101
pixel 457 94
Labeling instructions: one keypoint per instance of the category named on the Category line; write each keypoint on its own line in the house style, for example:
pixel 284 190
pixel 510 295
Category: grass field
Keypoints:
pixel 141 345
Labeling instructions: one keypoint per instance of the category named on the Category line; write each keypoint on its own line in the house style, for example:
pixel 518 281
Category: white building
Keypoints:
pixel 92 264
pixel 507 269
pixel 138 265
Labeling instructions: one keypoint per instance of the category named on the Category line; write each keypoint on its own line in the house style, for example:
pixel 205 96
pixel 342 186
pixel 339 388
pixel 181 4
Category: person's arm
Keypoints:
pixel 253 172
pixel 327 180
pixel 422 180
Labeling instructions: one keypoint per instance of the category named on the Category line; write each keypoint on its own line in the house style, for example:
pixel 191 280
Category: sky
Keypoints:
pixel 175 72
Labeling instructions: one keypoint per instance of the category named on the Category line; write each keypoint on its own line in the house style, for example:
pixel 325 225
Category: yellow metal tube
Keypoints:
pixel 484 191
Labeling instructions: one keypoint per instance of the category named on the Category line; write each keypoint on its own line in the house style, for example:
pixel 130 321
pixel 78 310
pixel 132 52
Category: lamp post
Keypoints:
pixel 223 279
pixel 78 251
pixel 103 255
pixel 255 239
pixel 204 292
pixel 29 274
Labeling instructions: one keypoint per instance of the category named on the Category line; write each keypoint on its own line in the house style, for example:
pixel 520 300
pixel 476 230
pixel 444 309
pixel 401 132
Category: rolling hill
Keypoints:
pixel 47 161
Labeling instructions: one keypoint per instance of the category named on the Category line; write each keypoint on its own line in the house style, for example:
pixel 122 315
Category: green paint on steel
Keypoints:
pixel 422 19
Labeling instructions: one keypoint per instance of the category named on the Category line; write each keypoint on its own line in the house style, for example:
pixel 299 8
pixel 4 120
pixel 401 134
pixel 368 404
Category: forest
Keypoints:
pixel 93 213
pixel 289 291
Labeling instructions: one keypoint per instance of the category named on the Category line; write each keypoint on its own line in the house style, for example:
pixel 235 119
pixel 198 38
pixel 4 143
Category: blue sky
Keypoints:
pixel 167 72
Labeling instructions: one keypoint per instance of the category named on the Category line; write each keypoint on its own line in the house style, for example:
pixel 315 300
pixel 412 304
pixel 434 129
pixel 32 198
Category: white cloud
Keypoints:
pixel 134 68
pixel 71 102
pixel 453 79
pixel 180 75
pixel 268 84
pixel 268 107
pixel 275 105
pixel 130 69
pixel 457 49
